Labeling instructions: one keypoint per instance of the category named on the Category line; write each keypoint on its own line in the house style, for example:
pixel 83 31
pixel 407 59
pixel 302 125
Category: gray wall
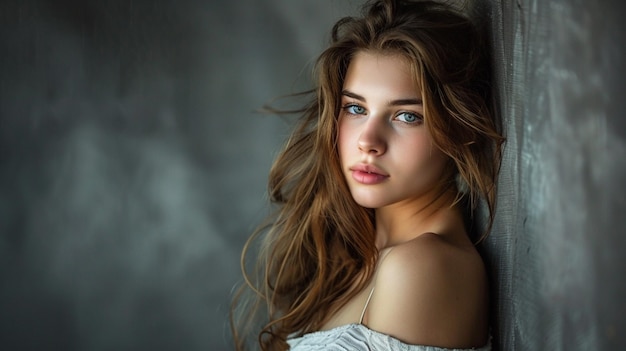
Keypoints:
pixel 133 166
pixel 556 254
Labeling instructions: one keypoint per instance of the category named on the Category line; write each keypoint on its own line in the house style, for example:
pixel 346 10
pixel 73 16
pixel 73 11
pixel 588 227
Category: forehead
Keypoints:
pixel 372 70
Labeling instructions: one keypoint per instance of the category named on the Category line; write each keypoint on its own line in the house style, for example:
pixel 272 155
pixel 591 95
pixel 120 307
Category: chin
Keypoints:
pixel 368 202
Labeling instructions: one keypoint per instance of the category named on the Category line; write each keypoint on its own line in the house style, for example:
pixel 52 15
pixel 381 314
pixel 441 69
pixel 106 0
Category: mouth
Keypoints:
pixel 368 174
pixel 369 169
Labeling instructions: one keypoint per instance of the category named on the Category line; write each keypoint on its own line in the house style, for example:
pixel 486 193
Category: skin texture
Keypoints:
pixel 430 284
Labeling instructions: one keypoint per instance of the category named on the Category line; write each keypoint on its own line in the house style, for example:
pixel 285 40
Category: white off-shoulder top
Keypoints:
pixel 358 337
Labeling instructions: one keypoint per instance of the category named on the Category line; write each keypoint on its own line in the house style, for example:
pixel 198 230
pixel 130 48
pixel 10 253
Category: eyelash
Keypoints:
pixel 418 118
pixel 349 109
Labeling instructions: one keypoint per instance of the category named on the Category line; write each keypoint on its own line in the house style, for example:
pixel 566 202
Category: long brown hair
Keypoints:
pixel 317 249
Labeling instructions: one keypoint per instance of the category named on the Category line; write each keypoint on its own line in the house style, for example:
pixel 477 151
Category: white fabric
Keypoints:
pixel 358 337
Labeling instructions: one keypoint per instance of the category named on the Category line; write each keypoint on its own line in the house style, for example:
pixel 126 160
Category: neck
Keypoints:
pixel 401 222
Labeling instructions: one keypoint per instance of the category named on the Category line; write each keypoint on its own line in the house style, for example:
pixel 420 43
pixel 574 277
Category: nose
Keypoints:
pixel 372 140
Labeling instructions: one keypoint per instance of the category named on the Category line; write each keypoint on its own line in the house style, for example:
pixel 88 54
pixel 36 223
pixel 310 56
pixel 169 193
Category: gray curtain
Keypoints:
pixel 133 166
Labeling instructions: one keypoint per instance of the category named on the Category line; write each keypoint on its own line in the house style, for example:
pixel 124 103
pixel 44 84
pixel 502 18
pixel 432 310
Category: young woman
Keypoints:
pixel 372 245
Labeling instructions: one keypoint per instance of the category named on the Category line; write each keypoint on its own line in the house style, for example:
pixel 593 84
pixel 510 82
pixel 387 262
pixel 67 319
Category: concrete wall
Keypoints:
pixel 556 251
pixel 132 166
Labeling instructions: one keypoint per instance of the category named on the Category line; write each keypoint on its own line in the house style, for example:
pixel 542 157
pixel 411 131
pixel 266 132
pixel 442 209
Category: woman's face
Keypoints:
pixel 386 151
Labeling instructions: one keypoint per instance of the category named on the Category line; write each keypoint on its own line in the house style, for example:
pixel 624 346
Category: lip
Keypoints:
pixel 368 174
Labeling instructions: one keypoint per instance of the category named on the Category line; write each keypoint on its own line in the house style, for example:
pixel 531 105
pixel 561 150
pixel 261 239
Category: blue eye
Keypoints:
pixel 408 117
pixel 355 109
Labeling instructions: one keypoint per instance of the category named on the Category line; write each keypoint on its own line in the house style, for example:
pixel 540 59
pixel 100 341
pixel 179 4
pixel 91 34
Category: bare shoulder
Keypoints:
pixel 429 291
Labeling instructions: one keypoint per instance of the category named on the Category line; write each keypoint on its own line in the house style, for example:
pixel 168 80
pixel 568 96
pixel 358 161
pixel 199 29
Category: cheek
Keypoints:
pixel 344 137
pixel 418 143
pixel 423 153
pixel 438 160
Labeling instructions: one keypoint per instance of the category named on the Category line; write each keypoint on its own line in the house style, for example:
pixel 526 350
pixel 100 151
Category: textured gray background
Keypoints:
pixel 556 255
pixel 133 166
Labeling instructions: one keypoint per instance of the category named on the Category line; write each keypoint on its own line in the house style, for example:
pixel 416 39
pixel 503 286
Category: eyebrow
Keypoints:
pixel 399 102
